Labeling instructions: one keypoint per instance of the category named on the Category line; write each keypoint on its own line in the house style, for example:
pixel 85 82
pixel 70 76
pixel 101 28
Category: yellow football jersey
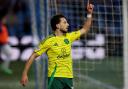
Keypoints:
pixel 58 50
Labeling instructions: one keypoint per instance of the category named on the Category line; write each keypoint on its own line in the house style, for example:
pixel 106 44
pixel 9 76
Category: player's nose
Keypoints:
pixel 67 24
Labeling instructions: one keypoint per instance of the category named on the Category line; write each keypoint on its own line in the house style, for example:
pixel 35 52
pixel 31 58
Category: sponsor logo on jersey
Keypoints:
pixel 63 54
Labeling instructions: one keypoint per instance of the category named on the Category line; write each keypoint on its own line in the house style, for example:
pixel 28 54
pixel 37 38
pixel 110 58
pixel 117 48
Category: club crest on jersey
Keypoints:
pixel 66 41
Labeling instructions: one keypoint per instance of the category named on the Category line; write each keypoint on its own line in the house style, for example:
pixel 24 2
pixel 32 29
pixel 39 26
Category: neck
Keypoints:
pixel 59 33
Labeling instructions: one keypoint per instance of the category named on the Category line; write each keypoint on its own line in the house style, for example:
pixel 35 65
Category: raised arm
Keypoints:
pixel 24 79
pixel 85 28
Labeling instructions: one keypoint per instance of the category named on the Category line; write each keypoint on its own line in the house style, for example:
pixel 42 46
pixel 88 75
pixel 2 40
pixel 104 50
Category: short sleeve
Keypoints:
pixel 75 35
pixel 42 47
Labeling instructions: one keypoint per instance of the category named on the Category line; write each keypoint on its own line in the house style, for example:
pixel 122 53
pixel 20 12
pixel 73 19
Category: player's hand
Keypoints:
pixel 90 8
pixel 24 80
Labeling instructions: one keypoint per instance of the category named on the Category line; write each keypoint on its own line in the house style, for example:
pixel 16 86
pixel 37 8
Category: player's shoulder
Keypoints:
pixel 73 32
pixel 48 38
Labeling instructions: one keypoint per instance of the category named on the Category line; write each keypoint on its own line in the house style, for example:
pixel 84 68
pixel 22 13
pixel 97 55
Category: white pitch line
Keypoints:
pixel 96 82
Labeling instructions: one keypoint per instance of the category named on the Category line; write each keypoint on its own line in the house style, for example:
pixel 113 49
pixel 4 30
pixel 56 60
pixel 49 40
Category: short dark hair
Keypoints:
pixel 55 20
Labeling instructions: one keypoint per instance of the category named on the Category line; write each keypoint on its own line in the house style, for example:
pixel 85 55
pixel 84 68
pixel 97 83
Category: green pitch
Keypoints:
pixel 13 81
pixel 102 74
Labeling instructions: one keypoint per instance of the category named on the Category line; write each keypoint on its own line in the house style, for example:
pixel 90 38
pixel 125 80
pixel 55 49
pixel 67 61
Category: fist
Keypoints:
pixel 90 8
pixel 24 80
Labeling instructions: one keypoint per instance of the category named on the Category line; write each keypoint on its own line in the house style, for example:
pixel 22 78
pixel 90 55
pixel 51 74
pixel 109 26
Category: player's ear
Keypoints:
pixel 57 25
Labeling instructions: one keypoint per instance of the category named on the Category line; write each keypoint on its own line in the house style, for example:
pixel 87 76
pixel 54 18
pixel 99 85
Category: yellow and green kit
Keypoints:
pixel 58 50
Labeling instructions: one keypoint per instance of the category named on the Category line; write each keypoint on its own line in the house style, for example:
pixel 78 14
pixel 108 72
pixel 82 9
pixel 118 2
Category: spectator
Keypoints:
pixel 5 48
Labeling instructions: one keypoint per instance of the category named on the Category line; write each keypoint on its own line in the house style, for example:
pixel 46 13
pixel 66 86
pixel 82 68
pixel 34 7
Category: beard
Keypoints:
pixel 63 31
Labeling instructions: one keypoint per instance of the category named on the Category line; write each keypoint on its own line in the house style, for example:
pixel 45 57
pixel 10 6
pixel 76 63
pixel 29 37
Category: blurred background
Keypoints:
pixel 98 57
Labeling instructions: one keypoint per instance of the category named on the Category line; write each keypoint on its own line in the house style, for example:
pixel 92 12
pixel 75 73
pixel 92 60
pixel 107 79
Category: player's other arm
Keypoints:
pixel 24 79
pixel 42 47
pixel 85 28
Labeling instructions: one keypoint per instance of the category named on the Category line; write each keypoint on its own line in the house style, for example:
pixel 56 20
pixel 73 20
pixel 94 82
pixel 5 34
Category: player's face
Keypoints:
pixel 63 25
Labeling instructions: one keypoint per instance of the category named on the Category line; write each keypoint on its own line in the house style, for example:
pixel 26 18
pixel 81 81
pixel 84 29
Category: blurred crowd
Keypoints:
pixel 17 14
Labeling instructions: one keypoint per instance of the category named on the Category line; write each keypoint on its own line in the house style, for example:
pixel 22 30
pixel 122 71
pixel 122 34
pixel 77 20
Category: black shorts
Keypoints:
pixel 61 83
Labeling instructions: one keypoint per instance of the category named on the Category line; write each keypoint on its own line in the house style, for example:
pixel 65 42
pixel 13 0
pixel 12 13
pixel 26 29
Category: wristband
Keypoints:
pixel 89 15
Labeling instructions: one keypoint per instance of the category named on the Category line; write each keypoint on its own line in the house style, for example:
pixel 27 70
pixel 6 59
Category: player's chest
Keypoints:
pixel 61 44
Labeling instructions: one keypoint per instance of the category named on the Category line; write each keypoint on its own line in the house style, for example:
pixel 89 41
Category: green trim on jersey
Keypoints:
pixel 52 77
pixel 48 37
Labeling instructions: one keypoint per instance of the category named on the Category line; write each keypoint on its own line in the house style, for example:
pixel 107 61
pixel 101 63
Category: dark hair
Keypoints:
pixel 55 20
